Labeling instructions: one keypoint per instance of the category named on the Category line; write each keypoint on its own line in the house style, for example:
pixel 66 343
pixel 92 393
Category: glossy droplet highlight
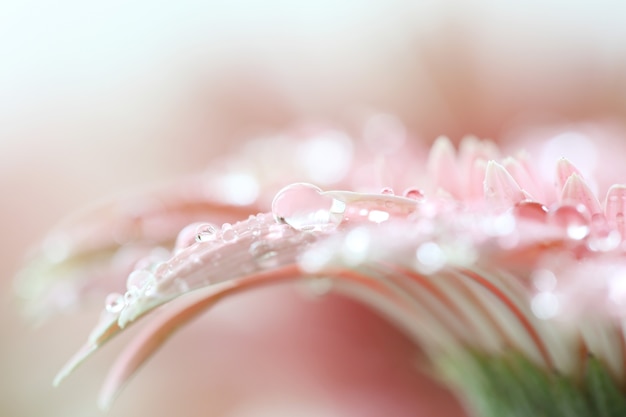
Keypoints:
pixel 413 193
pixel 228 233
pixel 304 207
pixel 574 219
pixel 114 303
pixel 205 232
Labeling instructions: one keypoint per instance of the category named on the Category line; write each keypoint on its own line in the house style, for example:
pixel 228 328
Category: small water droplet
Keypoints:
pixel 530 210
pixel 228 233
pixel 205 232
pixel 387 191
pixel 304 207
pixel 130 296
pixel 413 193
pixel 114 303
pixel 574 219
pixel 137 280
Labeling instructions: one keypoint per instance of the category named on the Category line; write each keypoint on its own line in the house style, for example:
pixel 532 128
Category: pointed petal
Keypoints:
pixel 500 188
pixel 442 166
pixel 576 191
pixel 564 169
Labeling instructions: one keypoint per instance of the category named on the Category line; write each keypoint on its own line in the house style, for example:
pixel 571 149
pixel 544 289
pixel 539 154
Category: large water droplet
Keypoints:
pixel 205 232
pixel 304 207
pixel 574 219
pixel 413 193
pixel 114 303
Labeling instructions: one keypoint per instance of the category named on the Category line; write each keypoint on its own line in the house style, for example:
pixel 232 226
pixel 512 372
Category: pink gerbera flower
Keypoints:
pixel 513 284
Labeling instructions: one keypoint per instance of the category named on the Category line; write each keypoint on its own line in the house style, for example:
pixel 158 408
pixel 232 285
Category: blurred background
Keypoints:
pixel 101 99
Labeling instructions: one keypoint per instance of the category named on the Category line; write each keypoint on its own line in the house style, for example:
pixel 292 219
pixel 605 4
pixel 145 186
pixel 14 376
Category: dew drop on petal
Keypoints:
pixel 186 237
pixel 413 193
pixel 130 296
pixel 574 219
pixel 387 191
pixel 205 232
pixel 114 303
pixel 228 233
pixel 304 207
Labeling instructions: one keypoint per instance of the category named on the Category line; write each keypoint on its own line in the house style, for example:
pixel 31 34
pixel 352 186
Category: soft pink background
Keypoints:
pixel 97 100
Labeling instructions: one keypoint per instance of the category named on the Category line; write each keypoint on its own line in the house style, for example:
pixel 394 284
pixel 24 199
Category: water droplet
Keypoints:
pixel 530 210
pixel 205 232
pixel 130 296
pixel 114 303
pixel 304 207
pixel 387 191
pixel 603 237
pixel 137 280
pixel 413 193
pixel 228 233
pixel 574 219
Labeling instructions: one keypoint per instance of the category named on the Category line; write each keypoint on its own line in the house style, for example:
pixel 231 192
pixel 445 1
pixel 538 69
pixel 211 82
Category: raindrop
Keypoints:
pixel 304 207
pixel 228 233
pixel 574 219
pixel 413 193
pixel 114 303
pixel 387 191
pixel 205 232
pixel 130 296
